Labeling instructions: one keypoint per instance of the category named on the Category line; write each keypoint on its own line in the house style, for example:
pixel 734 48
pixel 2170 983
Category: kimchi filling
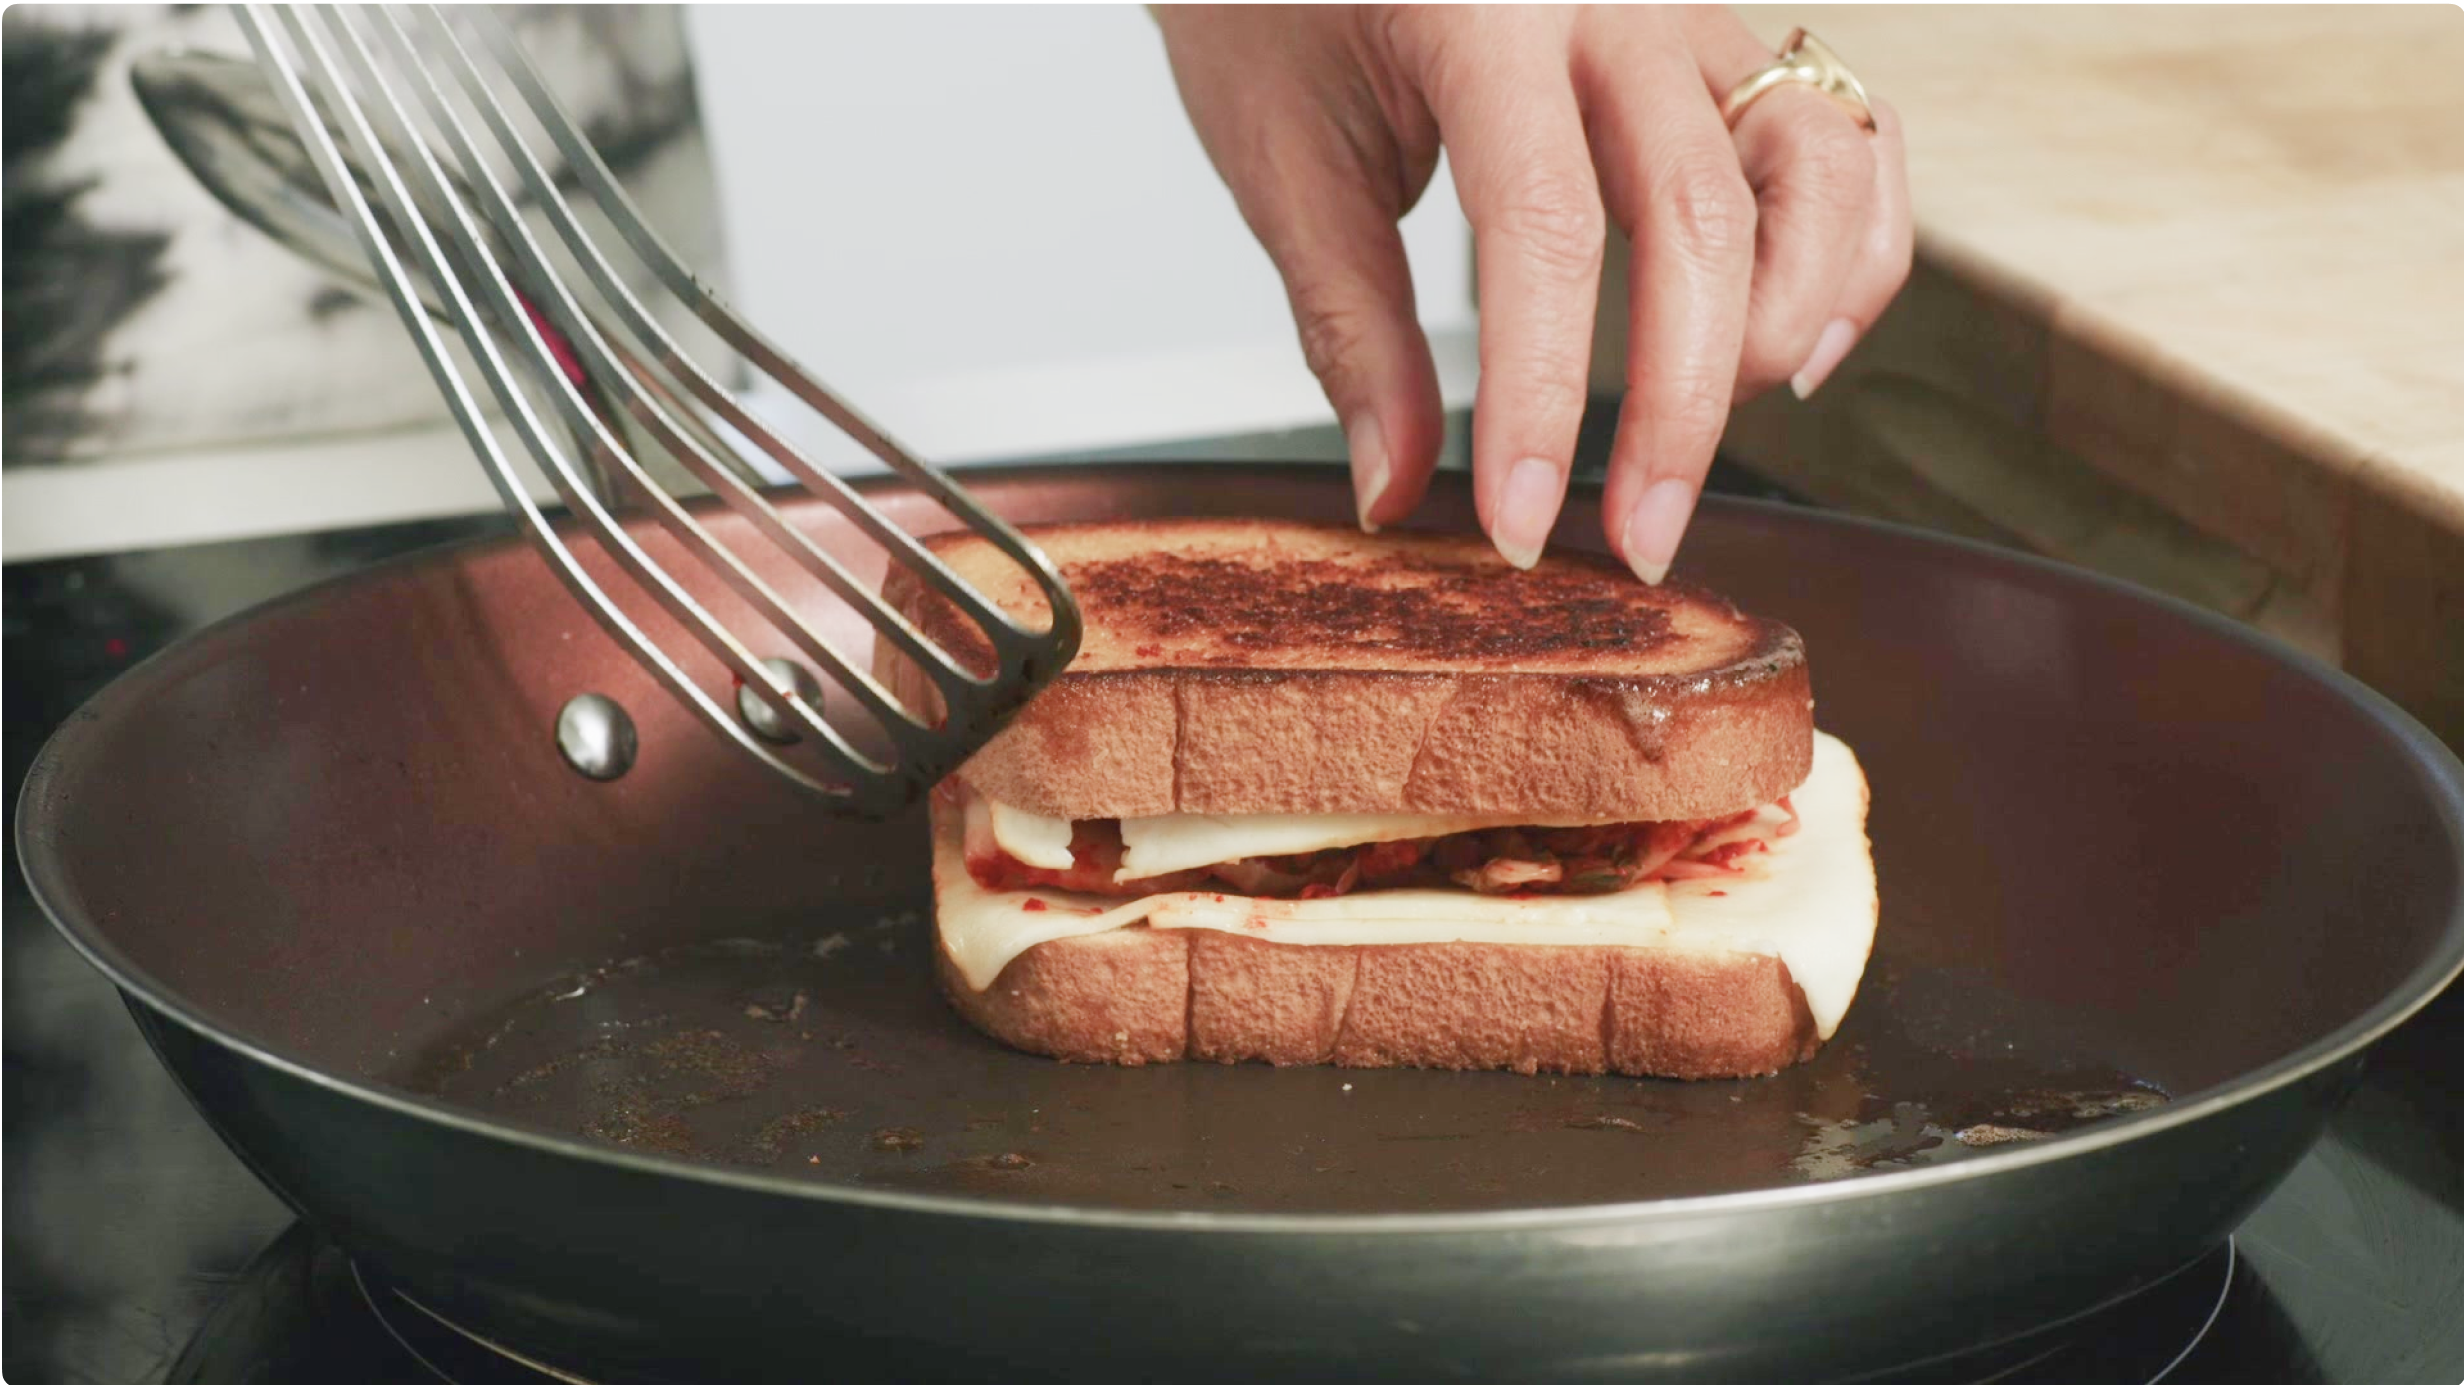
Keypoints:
pixel 1598 859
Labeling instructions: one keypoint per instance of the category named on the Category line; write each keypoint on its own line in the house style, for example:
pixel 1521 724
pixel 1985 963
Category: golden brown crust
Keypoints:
pixel 1151 995
pixel 1237 666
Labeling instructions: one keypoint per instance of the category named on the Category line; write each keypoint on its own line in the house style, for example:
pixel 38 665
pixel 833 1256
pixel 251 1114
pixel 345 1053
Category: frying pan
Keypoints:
pixel 646 1078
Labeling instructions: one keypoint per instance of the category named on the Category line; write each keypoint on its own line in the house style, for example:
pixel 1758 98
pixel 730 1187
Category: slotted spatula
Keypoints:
pixel 427 105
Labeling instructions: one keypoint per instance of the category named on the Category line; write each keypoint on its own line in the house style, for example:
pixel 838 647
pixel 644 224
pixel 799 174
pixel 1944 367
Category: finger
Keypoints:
pixel 1672 177
pixel 1812 168
pixel 1523 172
pixel 1350 284
pixel 1884 247
pixel 1327 216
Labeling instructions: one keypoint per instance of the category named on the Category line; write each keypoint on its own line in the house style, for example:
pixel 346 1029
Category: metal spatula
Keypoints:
pixel 403 113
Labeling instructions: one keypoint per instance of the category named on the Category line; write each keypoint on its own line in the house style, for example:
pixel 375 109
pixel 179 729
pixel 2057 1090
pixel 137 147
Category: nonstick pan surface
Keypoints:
pixel 649 1077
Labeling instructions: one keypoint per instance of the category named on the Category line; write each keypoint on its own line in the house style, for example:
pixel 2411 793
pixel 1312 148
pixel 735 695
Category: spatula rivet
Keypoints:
pixel 764 718
pixel 596 737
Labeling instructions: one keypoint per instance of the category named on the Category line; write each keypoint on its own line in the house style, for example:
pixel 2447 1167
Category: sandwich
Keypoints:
pixel 1307 795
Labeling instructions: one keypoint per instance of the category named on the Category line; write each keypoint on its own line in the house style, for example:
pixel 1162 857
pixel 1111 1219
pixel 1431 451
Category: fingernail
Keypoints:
pixel 1829 350
pixel 1654 526
pixel 1526 510
pixel 1370 469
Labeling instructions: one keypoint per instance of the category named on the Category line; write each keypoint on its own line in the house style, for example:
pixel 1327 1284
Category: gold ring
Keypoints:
pixel 1807 60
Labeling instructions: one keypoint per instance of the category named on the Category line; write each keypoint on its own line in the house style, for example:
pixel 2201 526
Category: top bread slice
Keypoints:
pixel 1254 666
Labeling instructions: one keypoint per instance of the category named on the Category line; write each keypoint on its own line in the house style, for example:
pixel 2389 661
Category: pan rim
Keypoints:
pixel 2442 772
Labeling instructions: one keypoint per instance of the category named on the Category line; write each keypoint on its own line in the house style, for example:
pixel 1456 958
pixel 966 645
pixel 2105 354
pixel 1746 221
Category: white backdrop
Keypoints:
pixel 992 227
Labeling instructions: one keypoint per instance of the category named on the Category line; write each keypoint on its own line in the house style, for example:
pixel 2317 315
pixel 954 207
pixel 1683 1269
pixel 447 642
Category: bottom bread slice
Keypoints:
pixel 1153 995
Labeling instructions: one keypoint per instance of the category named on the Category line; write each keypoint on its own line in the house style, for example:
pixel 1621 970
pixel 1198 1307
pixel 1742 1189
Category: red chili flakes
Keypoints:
pixel 1725 856
pixel 1717 894
pixel 1150 651
pixel 1035 906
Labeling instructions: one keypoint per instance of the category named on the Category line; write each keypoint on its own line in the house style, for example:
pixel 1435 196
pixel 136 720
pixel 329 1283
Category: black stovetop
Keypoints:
pixel 139 1251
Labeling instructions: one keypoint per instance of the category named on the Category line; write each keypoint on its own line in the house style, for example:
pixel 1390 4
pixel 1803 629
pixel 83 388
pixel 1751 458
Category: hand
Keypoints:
pixel 1759 256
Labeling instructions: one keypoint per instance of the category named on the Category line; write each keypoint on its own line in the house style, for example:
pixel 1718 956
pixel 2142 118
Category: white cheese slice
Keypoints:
pixel 1153 846
pixel 1039 841
pixel 1184 841
pixel 1630 918
pixel 1810 901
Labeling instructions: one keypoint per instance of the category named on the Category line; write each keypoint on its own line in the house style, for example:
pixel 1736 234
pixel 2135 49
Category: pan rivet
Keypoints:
pixel 596 737
pixel 764 718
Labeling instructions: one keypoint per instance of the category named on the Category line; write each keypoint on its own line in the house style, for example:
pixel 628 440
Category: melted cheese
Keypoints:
pixel 1809 901
pixel 1030 837
pixel 1183 841
pixel 1153 846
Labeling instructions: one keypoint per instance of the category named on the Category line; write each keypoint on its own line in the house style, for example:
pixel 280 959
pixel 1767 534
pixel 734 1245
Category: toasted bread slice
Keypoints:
pixel 1143 995
pixel 1247 666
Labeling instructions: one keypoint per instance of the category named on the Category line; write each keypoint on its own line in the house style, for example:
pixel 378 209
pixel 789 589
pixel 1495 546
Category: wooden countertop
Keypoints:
pixel 2201 272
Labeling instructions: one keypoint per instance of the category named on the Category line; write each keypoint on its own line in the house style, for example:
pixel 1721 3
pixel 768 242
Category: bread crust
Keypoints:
pixel 1574 692
pixel 1159 995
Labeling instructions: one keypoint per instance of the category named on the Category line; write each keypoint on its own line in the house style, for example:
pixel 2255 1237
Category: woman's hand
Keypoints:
pixel 1759 256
